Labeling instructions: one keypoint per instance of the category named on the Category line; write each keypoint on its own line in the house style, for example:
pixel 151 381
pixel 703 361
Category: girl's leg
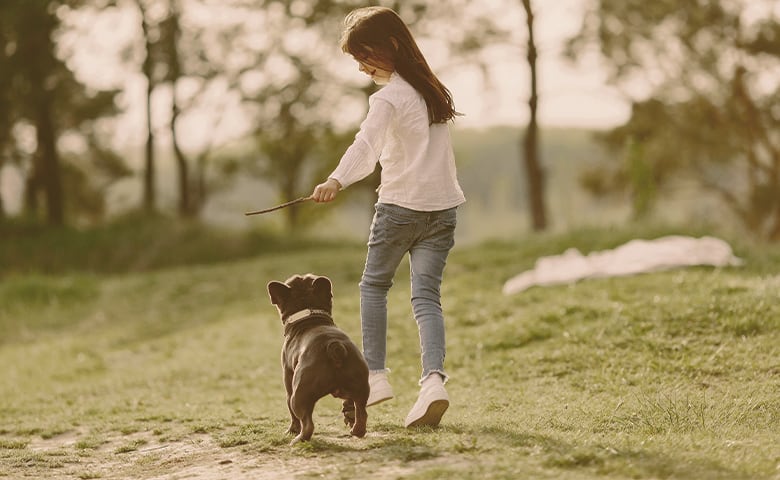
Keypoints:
pixel 428 258
pixel 388 243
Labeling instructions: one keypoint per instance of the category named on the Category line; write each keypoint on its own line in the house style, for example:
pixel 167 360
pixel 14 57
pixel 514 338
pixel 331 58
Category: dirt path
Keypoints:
pixel 196 457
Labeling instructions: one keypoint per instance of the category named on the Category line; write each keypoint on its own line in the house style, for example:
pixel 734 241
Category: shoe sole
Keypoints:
pixel 432 415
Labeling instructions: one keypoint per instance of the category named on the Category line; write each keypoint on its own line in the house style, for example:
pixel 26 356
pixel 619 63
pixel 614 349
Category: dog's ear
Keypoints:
pixel 279 292
pixel 322 287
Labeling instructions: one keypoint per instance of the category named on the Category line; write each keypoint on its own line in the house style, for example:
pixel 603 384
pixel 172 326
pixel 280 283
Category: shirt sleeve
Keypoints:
pixel 361 157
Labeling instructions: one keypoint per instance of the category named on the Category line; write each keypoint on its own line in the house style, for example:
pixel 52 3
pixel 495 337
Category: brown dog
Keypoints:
pixel 317 357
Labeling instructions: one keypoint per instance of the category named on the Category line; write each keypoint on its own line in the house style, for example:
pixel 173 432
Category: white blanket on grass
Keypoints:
pixel 636 256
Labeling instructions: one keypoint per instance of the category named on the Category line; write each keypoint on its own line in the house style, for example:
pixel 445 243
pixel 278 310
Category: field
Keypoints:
pixel 173 373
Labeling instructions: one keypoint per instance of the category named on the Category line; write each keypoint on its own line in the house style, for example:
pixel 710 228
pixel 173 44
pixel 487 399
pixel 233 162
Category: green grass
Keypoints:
pixel 133 243
pixel 174 372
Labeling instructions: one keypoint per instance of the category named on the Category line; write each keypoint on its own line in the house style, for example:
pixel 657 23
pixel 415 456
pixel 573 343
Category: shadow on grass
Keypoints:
pixel 501 449
pixel 606 460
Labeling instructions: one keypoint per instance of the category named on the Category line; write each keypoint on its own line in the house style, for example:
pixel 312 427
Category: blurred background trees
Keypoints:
pixel 271 59
pixel 46 110
pixel 708 103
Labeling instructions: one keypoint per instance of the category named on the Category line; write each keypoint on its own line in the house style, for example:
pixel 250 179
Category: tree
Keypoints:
pixel 43 95
pixel 175 73
pixel 710 97
pixel 287 160
pixel 8 117
pixel 530 149
pixel 36 72
pixel 184 53
pixel 150 37
pixel 181 51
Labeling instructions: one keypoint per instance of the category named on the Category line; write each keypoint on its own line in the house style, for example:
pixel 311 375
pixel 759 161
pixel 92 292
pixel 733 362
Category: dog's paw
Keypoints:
pixel 348 409
pixel 349 421
pixel 349 418
pixel 293 430
pixel 358 431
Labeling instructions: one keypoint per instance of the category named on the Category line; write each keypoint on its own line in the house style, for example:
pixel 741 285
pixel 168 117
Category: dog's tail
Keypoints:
pixel 337 352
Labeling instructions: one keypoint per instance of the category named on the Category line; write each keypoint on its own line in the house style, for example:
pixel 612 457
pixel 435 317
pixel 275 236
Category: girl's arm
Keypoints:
pixel 361 157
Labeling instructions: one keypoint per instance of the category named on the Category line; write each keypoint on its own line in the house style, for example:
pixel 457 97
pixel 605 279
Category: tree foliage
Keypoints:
pixel 704 78
pixel 275 60
pixel 43 103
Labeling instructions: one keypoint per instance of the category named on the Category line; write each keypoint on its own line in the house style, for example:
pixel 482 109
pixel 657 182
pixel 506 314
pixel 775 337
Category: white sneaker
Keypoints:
pixel 431 404
pixel 380 388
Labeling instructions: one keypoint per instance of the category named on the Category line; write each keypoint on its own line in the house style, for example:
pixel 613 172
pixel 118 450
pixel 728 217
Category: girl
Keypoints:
pixel 406 131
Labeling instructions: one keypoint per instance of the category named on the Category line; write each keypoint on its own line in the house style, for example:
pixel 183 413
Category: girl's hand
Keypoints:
pixel 326 191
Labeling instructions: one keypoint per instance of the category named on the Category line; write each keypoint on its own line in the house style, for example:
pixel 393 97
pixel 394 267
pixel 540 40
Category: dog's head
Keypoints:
pixel 300 292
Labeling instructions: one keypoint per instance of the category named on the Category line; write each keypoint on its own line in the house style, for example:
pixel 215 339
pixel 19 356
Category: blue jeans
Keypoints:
pixel 428 237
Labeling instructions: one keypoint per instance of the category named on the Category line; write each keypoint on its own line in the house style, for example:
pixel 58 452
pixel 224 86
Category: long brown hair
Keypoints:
pixel 377 36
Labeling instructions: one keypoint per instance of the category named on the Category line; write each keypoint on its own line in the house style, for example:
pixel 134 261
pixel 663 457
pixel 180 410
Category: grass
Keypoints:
pixel 136 242
pixel 173 371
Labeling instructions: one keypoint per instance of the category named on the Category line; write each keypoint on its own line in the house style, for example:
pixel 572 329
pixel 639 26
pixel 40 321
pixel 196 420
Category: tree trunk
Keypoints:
pixel 150 177
pixel 31 189
pixel 174 66
pixel 150 196
pixel 530 146
pixel 774 231
pixel 50 172
pixel 288 193
pixel 200 193
pixel 2 205
pixel 183 168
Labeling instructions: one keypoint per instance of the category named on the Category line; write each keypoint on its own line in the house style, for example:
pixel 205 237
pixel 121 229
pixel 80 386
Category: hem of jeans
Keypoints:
pixel 381 370
pixel 443 375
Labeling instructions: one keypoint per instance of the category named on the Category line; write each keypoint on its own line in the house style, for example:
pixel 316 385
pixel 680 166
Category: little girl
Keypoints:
pixel 406 131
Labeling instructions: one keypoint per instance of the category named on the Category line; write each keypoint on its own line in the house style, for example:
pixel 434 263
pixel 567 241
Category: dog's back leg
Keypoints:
pixel 303 408
pixel 348 410
pixel 295 425
pixel 361 418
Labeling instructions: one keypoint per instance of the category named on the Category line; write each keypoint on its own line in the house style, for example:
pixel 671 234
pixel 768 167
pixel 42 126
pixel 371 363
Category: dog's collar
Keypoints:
pixel 307 313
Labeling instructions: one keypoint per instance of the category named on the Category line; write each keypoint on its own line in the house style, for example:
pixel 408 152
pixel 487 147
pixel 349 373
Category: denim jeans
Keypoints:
pixel 428 237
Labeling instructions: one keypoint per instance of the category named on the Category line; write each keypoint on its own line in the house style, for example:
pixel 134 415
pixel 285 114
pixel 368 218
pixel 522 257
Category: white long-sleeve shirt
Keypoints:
pixel 418 164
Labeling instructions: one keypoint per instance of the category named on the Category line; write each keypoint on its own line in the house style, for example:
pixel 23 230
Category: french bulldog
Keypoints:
pixel 318 358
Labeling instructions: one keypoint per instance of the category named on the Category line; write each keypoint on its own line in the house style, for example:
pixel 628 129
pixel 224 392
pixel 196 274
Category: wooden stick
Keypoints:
pixel 287 204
